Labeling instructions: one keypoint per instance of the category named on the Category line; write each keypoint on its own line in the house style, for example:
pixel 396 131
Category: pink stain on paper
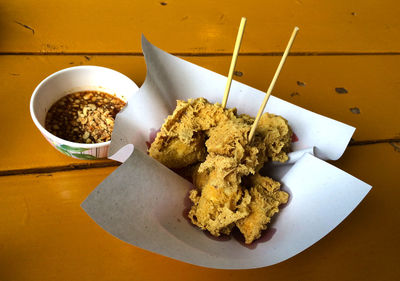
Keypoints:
pixel 294 138
pixel 152 136
pixel 266 235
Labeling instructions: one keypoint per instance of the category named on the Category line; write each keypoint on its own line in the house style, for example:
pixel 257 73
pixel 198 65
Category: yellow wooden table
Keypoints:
pixel 353 45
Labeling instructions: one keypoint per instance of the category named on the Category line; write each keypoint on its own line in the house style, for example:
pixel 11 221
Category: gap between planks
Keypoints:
pixel 64 168
pixel 194 54
pixel 107 163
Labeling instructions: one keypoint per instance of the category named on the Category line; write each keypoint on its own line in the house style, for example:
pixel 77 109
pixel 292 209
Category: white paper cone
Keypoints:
pixel 143 203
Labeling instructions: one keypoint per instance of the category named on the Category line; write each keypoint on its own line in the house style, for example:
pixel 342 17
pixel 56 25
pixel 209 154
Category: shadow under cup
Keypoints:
pixel 71 80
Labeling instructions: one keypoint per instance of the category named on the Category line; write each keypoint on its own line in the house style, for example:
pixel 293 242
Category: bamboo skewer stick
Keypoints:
pixel 233 62
pixel 271 86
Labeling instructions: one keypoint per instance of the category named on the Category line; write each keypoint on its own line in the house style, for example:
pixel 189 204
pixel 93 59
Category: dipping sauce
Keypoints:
pixel 84 117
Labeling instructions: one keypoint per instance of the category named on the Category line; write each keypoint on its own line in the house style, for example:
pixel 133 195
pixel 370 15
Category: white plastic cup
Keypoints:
pixel 75 79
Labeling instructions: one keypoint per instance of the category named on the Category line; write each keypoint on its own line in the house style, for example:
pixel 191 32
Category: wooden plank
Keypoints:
pixel 371 82
pixel 199 27
pixel 45 235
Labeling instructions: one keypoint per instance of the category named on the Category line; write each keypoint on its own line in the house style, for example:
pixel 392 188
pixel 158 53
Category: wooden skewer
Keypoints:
pixel 271 86
pixel 233 62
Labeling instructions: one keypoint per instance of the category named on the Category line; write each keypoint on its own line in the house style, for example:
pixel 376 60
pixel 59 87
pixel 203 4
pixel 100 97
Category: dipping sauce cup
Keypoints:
pixel 71 80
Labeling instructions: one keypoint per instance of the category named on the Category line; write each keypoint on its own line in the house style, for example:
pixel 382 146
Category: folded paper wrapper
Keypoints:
pixel 143 203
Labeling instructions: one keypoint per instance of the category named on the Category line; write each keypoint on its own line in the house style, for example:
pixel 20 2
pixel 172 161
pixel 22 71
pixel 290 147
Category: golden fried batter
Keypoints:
pixel 278 136
pixel 181 139
pixel 217 209
pixel 179 154
pixel 211 143
pixel 266 197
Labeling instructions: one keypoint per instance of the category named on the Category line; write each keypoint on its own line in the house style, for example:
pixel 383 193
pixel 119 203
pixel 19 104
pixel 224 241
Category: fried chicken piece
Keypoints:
pixel 180 141
pixel 266 197
pixel 228 152
pixel 218 178
pixel 217 209
pixel 179 154
pixel 278 136
pixel 230 139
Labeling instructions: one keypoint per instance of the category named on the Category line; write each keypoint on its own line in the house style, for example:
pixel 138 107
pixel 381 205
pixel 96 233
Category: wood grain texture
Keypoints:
pixel 370 81
pixel 344 65
pixel 45 235
pixel 198 26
